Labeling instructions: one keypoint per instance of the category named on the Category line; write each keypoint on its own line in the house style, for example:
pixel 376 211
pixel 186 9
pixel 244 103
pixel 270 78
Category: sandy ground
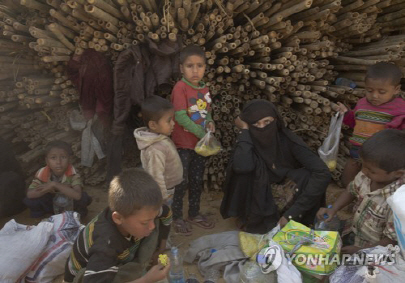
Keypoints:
pixel 210 204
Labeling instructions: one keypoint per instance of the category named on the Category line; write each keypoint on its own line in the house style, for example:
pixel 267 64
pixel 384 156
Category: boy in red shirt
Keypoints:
pixel 191 100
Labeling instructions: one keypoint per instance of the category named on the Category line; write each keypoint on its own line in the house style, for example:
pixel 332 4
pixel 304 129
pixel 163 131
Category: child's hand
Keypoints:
pixel 342 108
pixel 156 273
pixel 46 188
pixel 328 211
pixel 210 127
pixel 241 124
pixel 349 250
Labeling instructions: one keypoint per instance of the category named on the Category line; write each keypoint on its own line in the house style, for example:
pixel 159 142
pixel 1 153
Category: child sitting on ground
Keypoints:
pixel 191 100
pixel 117 245
pixel 379 109
pixel 159 156
pixel 382 173
pixel 58 179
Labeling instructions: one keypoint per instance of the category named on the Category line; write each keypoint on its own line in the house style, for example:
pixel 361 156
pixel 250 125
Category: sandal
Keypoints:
pixel 201 221
pixel 182 227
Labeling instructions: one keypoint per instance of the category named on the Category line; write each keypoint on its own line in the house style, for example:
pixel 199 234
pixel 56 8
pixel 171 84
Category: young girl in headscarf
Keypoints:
pixel 273 176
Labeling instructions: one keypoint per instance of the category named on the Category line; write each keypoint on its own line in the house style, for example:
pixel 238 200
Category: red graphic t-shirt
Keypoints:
pixel 196 101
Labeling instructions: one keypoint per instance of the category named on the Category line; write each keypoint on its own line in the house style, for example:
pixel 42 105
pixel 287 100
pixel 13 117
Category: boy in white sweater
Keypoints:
pixel 159 155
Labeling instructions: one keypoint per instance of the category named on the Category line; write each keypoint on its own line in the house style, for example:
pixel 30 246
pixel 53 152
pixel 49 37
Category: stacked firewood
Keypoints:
pixel 289 52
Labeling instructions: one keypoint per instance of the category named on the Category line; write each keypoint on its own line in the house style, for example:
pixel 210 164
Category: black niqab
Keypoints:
pixel 266 140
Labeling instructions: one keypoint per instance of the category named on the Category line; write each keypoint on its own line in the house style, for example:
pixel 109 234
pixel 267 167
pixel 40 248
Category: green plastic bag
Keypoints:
pixel 319 252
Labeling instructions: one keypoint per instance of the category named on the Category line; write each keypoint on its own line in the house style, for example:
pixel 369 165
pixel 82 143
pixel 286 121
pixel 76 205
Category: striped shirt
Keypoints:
pixel 101 248
pixel 44 175
pixel 367 119
pixel 373 218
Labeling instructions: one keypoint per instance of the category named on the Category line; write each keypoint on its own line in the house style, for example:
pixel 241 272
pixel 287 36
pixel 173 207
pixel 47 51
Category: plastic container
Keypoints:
pixel 252 273
pixel 333 225
pixel 345 82
pixel 62 203
pixel 176 274
pixel 212 276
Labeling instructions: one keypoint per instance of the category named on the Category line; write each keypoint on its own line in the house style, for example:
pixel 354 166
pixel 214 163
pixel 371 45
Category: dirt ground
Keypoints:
pixel 210 204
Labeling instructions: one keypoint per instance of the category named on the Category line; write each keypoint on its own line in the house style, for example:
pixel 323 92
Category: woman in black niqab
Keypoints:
pixel 270 172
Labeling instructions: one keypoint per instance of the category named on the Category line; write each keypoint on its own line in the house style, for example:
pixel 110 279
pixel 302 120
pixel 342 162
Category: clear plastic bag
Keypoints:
pixel 208 145
pixel 329 149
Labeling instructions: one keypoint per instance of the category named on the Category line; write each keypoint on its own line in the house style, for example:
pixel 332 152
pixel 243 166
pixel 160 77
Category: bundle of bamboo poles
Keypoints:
pixel 289 52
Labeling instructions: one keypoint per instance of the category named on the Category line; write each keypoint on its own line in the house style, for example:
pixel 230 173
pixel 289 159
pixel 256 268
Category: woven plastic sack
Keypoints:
pixel 329 149
pixel 20 246
pixel 51 263
pixel 208 145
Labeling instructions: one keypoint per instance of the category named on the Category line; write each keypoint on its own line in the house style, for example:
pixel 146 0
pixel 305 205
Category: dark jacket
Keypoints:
pixel 139 72
pixel 12 184
pixel 248 196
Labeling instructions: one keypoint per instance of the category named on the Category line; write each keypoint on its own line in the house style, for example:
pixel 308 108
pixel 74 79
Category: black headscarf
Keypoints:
pixel 267 140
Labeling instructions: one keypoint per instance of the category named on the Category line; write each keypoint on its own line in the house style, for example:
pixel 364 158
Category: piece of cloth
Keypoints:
pixel 248 185
pixel 193 173
pixel 372 219
pixel 44 204
pixel 91 73
pixel 12 182
pixel 90 145
pixel 367 119
pixel 101 249
pixel 192 106
pixel 218 251
pixel 160 159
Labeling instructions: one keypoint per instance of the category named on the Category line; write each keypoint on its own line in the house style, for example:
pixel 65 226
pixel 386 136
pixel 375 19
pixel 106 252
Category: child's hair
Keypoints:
pixel 58 144
pixel 154 107
pixel 386 149
pixel 385 70
pixel 191 50
pixel 132 190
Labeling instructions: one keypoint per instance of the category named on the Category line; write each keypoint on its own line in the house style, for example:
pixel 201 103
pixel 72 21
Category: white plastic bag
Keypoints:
pixel 208 145
pixel 51 262
pixel 286 271
pixel 329 149
pixel 396 201
pixel 20 245
pixel 383 273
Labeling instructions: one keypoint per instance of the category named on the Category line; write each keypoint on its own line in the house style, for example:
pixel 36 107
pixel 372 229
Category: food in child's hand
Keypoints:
pixel 331 165
pixel 205 150
pixel 163 259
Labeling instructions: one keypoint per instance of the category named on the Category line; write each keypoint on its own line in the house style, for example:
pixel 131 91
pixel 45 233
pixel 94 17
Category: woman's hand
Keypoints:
pixel 342 108
pixel 241 124
pixel 283 221
pixel 210 127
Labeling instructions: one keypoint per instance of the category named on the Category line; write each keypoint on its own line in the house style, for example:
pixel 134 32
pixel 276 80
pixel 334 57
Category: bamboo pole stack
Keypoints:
pixel 286 51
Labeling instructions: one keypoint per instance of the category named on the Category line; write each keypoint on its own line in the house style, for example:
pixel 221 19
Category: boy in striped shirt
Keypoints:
pixel 118 244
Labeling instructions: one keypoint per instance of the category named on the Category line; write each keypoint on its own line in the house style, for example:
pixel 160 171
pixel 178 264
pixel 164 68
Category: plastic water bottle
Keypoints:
pixel 62 203
pixel 345 82
pixel 176 274
pixel 333 225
